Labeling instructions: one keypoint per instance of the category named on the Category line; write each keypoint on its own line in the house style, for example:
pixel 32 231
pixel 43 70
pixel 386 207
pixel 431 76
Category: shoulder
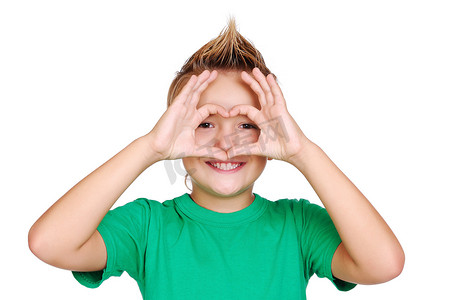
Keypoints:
pixel 302 210
pixel 293 204
pixel 138 216
pixel 142 208
pixel 140 204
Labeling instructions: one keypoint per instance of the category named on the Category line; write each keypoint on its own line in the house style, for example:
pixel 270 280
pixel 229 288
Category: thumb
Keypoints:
pixel 210 152
pixel 246 149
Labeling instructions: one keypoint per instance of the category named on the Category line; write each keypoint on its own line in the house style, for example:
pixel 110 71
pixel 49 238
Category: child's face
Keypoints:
pixel 213 176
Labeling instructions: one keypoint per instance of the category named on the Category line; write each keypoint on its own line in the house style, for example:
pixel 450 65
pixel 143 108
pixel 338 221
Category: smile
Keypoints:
pixel 227 167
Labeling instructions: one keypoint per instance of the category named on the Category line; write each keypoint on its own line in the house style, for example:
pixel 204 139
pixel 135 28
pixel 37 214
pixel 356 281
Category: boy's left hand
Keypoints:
pixel 280 136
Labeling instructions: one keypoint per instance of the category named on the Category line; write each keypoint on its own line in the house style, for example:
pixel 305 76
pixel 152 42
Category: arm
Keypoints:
pixel 369 252
pixel 66 234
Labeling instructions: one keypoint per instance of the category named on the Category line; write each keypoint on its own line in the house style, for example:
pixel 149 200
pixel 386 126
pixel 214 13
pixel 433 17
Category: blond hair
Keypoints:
pixel 230 51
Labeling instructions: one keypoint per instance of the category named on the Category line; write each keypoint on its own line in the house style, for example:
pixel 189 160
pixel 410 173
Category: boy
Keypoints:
pixel 226 117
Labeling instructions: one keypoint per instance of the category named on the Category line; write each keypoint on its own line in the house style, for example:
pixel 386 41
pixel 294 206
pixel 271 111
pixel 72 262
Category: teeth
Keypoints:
pixel 226 167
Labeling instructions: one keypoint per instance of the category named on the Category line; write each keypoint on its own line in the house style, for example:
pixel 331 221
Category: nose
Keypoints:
pixel 225 138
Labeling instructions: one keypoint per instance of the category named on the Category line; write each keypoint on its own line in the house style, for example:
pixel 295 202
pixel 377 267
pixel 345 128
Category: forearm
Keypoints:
pixel 369 241
pixel 74 218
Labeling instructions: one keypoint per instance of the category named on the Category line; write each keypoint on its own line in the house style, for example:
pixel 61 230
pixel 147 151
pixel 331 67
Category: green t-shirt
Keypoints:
pixel 180 250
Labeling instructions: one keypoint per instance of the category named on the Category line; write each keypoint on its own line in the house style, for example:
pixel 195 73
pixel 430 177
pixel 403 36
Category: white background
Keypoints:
pixel 368 81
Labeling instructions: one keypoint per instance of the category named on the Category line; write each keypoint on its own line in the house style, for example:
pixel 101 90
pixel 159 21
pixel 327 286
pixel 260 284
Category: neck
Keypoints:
pixel 222 203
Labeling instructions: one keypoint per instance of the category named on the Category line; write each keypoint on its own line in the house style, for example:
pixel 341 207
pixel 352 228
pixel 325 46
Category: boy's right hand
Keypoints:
pixel 174 134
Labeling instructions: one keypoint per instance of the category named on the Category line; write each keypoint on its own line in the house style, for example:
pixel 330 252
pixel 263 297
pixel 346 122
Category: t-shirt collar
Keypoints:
pixel 207 216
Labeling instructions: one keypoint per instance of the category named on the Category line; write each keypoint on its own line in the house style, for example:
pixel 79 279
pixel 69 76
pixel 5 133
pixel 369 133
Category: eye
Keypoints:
pixel 205 125
pixel 248 126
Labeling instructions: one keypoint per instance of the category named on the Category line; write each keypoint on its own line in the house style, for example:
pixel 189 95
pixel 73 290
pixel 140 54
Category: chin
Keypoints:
pixel 226 190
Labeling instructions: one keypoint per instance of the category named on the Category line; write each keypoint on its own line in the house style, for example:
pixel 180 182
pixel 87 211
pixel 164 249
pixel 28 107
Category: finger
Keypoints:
pixel 264 85
pixel 247 110
pixel 276 89
pixel 200 80
pixel 246 149
pixel 255 86
pixel 212 109
pixel 186 89
pixel 210 152
pixel 198 91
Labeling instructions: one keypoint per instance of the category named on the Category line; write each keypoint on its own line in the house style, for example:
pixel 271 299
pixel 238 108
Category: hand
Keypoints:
pixel 174 134
pixel 280 137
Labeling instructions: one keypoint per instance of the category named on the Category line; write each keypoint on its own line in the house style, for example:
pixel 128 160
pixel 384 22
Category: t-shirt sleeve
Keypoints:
pixel 124 231
pixel 319 241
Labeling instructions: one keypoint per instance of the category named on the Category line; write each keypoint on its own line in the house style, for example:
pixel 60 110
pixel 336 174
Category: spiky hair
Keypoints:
pixel 230 51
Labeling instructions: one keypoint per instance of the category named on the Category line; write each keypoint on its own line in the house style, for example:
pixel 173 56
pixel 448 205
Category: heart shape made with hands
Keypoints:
pixel 175 129
pixel 271 117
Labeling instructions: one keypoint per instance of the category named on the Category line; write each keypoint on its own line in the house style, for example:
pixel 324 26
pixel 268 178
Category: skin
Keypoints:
pixel 218 190
pixel 226 105
pixel 370 252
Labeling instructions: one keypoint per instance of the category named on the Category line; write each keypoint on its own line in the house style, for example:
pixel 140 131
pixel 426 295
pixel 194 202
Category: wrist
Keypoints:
pixel 302 158
pixel 147 146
